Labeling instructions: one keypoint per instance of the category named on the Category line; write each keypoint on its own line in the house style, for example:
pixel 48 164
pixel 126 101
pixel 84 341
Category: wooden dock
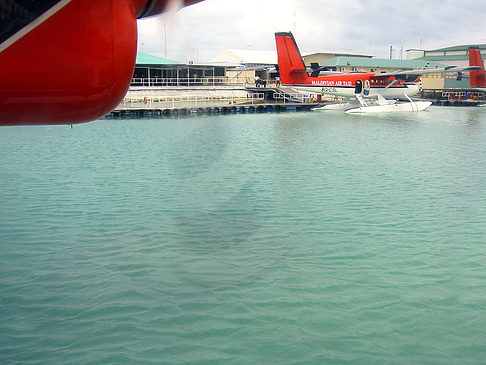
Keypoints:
pixel 138 105
pixel 135 112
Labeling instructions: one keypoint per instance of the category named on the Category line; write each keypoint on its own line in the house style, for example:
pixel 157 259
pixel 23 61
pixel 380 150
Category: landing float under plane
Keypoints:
pixel 360 86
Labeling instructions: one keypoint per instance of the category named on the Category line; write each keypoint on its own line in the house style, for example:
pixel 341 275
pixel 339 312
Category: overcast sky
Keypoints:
pixel 201 31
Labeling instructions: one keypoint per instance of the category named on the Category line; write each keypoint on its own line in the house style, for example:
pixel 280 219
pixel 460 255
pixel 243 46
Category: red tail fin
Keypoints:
pixel 478 78
pixel 291 67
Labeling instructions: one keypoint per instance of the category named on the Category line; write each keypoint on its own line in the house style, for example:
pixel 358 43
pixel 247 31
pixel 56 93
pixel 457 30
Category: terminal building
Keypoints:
pixel 450 56
pixel 154 71
pixel 239 67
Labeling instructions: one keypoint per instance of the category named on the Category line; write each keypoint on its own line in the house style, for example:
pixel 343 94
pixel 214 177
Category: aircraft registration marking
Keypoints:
pixel 328 90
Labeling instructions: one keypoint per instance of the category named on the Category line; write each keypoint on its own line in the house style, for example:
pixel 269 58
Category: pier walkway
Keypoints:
pixel 169 102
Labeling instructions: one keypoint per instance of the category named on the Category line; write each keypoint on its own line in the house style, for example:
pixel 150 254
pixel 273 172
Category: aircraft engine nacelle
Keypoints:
pixel 408 77
pixel 145 8
pixel 68 61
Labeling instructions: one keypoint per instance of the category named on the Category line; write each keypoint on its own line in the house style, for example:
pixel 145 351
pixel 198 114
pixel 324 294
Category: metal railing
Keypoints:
pixel 295 98
pixel 192 101
pixel 462 95
pixel 198 81
pixel 187 81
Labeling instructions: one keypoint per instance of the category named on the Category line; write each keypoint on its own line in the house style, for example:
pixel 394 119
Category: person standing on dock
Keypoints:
pixel 257 80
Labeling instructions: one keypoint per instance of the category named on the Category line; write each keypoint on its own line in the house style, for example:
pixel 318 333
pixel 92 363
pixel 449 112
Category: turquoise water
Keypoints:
pixel 291 238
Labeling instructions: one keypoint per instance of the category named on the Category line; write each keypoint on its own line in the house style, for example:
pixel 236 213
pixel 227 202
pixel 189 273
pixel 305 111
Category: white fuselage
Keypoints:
pixel 348 92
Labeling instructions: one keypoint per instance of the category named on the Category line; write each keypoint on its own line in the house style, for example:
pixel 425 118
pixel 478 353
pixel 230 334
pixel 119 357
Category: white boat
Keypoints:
pixel 412 106
pixel 379 105
pixel 388 106
pixel 337 106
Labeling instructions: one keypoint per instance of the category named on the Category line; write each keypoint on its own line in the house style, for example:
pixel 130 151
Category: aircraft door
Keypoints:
pixel 359 87
pixel 366 88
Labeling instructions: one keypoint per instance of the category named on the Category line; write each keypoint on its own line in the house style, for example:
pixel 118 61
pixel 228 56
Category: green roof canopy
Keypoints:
pixel 148 59
pixel 463 47
pixel 443 58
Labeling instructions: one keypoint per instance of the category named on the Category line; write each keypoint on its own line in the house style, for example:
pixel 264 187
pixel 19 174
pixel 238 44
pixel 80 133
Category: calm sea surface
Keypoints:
pixel 311 238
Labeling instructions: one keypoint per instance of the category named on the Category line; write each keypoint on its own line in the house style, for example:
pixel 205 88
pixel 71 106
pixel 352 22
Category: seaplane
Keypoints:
pixel 68 61
pixel 369 92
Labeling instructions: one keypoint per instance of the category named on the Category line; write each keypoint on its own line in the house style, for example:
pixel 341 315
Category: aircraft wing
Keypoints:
pixel 449 69
pixel 462 69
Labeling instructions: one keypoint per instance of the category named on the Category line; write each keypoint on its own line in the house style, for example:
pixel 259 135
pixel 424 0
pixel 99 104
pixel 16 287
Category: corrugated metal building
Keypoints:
pixel 350 64
pixel 450 56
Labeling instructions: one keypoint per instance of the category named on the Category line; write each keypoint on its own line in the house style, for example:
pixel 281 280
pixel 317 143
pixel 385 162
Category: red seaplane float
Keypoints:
pixel 368 92
pixel 68 61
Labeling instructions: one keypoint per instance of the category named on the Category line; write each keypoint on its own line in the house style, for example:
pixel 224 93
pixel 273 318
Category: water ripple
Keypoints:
pixel 276 238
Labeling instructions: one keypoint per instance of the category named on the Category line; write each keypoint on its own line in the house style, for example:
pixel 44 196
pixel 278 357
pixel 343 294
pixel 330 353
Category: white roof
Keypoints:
pixel 245 56
pixel 252 57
